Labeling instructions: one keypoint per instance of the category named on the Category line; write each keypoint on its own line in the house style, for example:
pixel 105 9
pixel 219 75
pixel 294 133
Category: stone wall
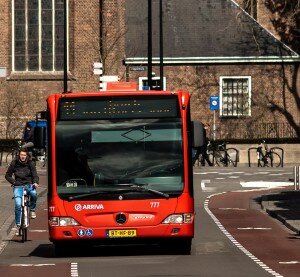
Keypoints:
pixel 291 153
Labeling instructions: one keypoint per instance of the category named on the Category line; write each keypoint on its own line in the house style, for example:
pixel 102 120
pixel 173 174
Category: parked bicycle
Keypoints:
pixel 222 156
pixel 267 157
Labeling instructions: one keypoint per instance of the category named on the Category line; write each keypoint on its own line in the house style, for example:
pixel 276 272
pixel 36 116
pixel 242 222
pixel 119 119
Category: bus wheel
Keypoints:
pixel 178 246
pixel 61 250
pixel 184 246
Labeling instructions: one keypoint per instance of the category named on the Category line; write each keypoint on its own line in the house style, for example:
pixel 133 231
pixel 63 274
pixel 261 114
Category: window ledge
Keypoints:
pixel 39 76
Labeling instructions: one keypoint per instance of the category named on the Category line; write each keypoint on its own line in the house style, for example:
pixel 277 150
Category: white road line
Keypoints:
pixel 237 209
pixel 204 188
pixel 264 184
pixel 231 238
pixel 74 270
pixel 254 228
pixel 25 265
pixel 275 174
pixel 38 231
pixel 290 262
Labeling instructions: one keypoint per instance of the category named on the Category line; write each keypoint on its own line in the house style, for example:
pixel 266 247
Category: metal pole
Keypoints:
pixel 161 46
pixel 214 127
pixel 296 175
pixel 65 48
pixel 150 44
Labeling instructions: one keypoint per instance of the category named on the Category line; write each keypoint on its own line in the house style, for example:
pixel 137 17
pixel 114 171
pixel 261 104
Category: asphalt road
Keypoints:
pixel 227 239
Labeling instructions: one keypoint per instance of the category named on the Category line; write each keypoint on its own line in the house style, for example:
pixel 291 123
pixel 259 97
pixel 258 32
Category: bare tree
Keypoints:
pixel 16 109
pixel 285 19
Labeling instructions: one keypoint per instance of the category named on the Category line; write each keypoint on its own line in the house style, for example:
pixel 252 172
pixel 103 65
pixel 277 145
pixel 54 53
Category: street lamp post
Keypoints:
pixel 65 48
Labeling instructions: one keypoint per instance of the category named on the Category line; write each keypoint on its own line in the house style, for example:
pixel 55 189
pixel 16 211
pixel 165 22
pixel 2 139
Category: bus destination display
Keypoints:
pixel 93 108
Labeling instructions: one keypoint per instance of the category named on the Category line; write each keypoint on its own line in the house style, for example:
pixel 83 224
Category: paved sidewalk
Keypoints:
pixel 7 214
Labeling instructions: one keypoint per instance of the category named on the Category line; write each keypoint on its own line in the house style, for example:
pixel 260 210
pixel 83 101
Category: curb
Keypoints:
pixel 281 214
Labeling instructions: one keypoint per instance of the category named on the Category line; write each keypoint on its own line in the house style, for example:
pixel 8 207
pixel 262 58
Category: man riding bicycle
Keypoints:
pixel 22 174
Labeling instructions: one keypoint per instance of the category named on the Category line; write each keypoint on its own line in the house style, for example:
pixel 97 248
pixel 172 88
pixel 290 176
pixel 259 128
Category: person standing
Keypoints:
pixel 203 149
pixel 22 174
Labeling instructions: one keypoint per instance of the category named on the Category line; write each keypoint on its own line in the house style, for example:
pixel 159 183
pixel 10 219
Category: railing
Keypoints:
pixel 250 131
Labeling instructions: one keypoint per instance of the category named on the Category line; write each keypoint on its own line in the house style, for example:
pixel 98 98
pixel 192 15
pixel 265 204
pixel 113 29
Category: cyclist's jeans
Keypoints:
pixel 18 192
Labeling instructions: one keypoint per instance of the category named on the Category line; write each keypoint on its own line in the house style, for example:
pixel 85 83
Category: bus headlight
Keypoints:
pixel 62 221
pixel 179 218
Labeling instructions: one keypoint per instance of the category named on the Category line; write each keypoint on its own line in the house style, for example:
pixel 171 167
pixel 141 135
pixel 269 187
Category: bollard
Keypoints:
pixel 296 177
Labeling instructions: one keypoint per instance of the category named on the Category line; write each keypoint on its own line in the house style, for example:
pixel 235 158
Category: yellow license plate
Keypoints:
pixel 121 233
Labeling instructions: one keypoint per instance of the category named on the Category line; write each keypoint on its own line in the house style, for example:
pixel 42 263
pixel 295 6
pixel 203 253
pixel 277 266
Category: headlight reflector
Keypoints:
pixel 179 218
pixel 62 221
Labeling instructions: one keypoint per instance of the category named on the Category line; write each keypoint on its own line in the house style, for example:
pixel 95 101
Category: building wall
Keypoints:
pixel 204 81
pixel 22 95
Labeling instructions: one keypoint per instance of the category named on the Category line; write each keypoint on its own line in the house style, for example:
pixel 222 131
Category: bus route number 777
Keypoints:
pixel 154 204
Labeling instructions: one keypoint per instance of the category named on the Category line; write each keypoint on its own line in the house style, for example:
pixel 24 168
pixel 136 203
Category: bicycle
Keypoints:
pixel 224 156
pixel 269 158
pixel 25 215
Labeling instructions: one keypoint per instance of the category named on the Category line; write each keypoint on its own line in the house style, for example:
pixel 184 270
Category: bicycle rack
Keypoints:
pixel 237 155
pixel 272 149
pixel 249 156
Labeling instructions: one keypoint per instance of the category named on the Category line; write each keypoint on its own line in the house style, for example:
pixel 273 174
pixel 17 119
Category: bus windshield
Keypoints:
pixel 111 156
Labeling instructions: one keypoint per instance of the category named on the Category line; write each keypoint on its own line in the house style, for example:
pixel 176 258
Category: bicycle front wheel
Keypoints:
pixel 275 160
pixel 24 223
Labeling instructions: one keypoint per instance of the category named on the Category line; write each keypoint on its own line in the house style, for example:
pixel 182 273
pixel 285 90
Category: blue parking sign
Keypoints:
pixel 214 103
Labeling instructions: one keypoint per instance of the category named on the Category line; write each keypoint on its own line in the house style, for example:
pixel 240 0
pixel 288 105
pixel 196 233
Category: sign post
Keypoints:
pixel 214 106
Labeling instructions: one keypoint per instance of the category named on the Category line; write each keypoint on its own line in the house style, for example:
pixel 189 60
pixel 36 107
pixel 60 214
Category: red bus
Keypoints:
pixel 120 168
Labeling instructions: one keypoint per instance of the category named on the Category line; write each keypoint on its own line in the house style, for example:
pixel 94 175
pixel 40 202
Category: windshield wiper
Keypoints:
pixel 84 195
pixel 126 188
pixel 140 187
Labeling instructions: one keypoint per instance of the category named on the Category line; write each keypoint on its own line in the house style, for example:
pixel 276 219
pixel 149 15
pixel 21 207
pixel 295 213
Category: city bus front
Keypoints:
pixel 119 169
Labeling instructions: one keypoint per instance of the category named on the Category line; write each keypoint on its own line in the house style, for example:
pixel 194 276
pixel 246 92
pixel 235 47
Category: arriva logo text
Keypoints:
pixel 79 207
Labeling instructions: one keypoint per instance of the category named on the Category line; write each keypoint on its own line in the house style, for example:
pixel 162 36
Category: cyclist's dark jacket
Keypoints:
pixel 24 173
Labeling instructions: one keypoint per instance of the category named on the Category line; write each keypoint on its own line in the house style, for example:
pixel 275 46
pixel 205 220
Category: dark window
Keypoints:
pixel 38 35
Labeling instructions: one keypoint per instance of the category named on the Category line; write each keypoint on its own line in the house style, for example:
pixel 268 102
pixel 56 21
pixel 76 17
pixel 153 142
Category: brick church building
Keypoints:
pixel 218 48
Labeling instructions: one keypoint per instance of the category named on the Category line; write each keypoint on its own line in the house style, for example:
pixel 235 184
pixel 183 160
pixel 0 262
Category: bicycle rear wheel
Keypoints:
pixel 275 160
pixel 220 158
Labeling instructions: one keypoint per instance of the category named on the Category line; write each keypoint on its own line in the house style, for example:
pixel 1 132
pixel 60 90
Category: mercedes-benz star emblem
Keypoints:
pixel 121 218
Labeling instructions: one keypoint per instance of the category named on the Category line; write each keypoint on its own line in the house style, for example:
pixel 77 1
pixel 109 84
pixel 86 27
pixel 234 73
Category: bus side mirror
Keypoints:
pixel 197 134
pixel 39 137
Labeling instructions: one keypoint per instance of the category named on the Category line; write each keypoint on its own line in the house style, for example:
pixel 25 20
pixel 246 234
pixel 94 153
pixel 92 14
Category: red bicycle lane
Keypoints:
pixel 265 240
